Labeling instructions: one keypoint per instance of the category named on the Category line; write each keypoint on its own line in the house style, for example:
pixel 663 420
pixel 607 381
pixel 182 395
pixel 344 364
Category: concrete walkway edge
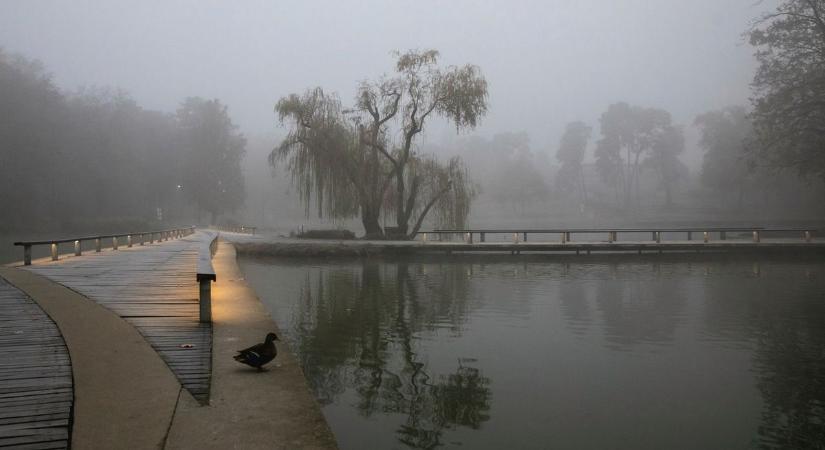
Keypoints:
pixel 248 409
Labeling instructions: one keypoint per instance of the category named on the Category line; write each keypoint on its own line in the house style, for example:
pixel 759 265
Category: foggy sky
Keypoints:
pixel 547 62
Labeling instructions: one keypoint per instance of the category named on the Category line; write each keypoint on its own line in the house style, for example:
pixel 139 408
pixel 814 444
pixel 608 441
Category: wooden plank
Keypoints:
pixel 41 446
pixel 43 435
pixel 38 399
pixel 25 414
pixel 64 422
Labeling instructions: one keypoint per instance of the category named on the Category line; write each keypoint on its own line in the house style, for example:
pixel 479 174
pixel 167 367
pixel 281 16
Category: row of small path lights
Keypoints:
pixel 612 235
pixel 205 273
pixel 162 235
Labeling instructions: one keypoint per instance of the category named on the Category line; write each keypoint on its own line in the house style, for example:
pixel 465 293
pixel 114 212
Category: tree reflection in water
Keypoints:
pixel 357 328
pixel 780 310
pixel 792 382
pixel 776 314
pixel 734 351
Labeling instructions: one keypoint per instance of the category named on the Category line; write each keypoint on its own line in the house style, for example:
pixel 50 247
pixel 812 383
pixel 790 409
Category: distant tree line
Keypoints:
pixel 95 159
pixel 639 142
pixel 757 149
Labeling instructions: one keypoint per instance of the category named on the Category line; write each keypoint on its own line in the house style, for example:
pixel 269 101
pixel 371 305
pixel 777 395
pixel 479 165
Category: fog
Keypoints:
pixel 546 63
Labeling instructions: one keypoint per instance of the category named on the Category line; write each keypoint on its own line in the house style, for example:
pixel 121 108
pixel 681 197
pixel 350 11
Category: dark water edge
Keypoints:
pixel 605 351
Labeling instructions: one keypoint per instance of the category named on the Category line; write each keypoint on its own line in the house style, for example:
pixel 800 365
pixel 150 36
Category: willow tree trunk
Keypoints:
pixel 402 218
pixel 372 228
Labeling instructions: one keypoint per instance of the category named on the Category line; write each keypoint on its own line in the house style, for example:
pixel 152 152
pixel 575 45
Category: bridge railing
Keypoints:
pixel 520 234
pixel 205 275
pixel 130 238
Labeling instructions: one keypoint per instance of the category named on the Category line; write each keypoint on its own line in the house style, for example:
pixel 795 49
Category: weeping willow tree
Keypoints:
pixel 363 161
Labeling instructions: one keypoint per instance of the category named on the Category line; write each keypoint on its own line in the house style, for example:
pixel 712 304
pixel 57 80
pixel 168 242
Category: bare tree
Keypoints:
pixel 419 91
pixel 350 159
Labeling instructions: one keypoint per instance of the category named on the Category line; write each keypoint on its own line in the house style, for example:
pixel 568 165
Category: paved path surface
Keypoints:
pixel 273 409
pixel 35 375
pixel 153 288
pixel 124 394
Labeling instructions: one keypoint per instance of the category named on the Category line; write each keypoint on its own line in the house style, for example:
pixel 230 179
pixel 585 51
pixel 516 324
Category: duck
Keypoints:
pixel 259 354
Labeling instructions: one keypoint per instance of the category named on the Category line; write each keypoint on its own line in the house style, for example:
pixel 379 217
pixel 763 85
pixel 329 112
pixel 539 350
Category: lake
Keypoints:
pixel 596 352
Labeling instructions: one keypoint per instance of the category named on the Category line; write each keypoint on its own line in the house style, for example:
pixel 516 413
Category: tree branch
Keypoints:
pixel 817 17
pixel 427 208
pixel 381 149
pixel 416 181
pixel 394 109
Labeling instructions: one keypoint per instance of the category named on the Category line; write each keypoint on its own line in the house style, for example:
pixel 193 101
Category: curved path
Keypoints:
pixel 153 288
pixel 124 394
pixel 35 375
pixel 116 304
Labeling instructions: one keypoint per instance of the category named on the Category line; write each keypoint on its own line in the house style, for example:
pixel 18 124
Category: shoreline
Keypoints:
pixel 495 250
pixel 286 413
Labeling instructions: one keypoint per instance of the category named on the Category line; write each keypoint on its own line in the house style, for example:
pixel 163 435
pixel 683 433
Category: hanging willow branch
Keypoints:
pixel 321 153
pixel 445 191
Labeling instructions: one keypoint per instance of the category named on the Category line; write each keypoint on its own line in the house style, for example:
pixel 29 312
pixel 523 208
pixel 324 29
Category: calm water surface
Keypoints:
pixel 611 353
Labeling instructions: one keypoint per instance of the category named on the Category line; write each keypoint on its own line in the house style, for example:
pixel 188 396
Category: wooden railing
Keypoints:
pixel 140 237
pixel 236 229
pixel 613 233
pixel 205 275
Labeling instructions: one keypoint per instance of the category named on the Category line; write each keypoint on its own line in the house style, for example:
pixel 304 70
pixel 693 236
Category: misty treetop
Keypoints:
pixel 94 159
pixel 789 87
pixel 213 152
pixel 634 137
pixel 571 151
pixel 724 134
pixel 507 173
pixel 363 160
pixel 734 171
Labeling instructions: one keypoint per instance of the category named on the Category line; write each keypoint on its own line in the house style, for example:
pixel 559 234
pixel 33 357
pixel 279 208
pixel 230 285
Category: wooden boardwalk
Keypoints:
pixel 35 376
pixel 152 287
